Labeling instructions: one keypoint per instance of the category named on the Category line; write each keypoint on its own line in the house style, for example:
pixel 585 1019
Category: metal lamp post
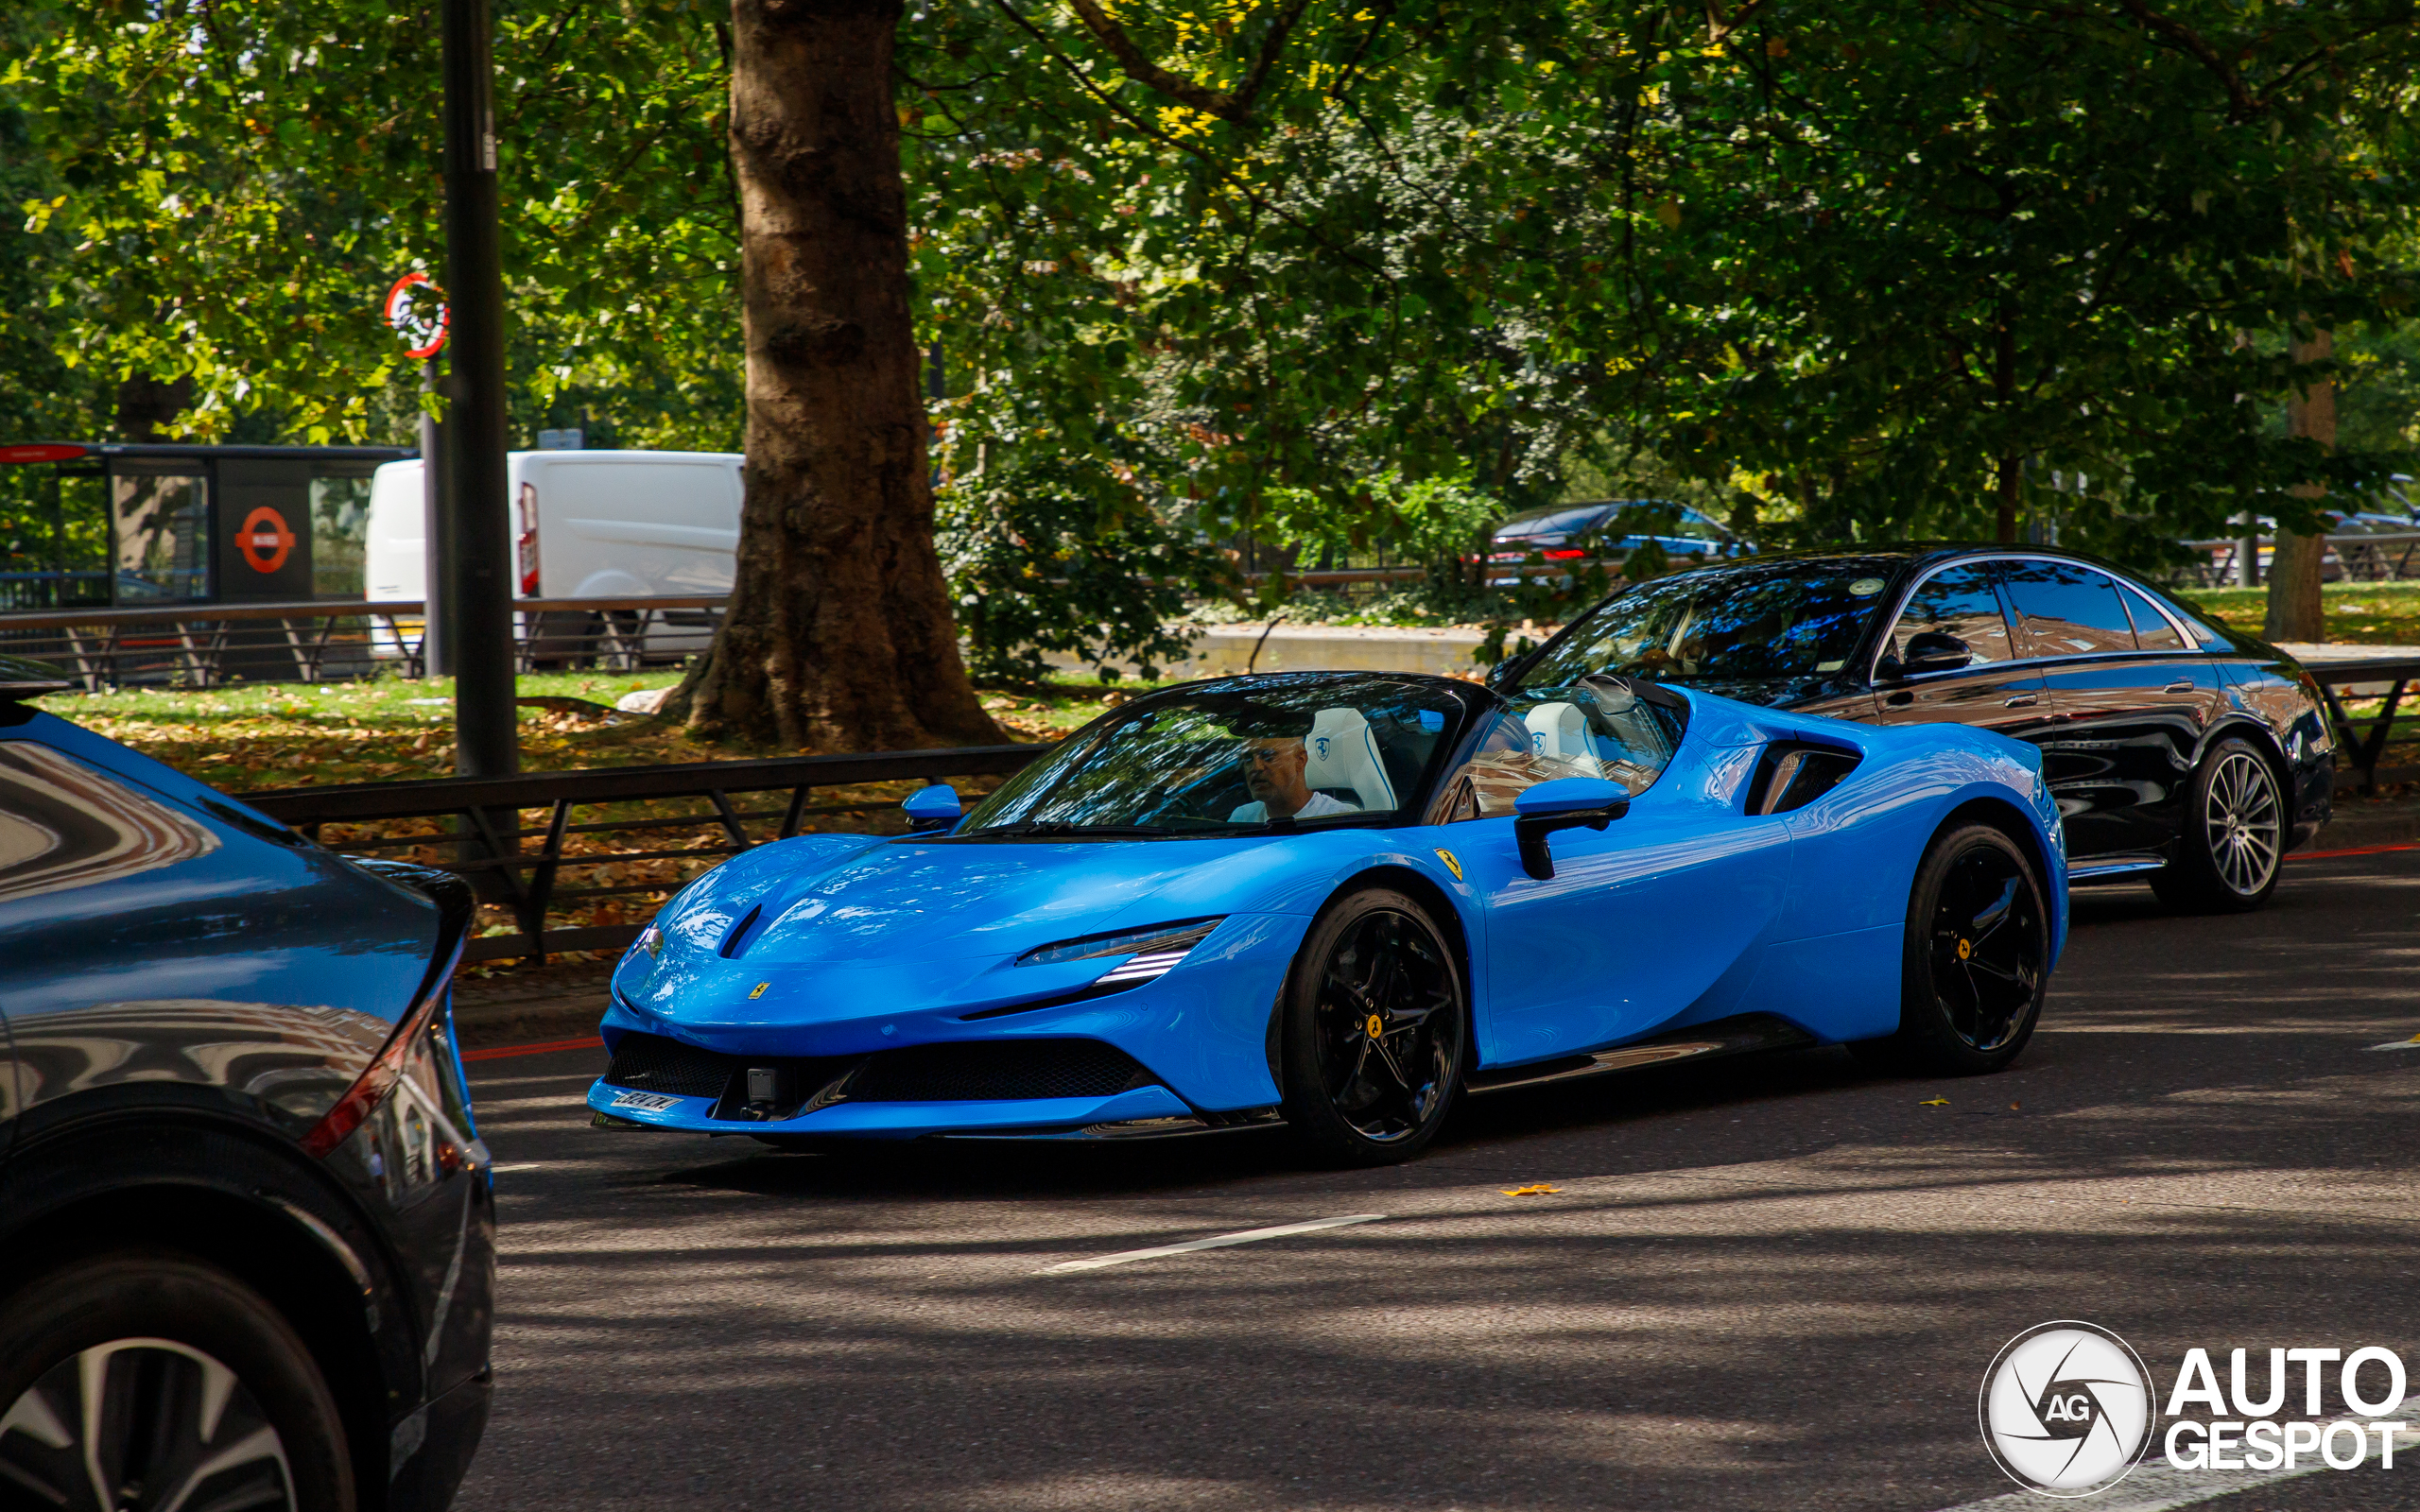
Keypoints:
pixel 476 562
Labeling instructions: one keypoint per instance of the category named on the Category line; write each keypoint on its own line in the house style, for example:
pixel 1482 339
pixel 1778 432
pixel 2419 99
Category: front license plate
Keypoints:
pixel 646 1102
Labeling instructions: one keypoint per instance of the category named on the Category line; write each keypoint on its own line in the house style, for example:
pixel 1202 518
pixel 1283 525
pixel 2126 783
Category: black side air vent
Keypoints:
pixel 1792 774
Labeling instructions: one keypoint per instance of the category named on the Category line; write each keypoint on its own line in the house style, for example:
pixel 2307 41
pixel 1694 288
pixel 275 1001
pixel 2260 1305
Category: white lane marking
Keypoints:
pixel 2159 1486
pixel 2412 1043
pixel 520 1165
pixel 1217 1242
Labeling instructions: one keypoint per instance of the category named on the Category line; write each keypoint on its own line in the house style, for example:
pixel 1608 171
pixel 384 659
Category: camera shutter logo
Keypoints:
pixel 2067 1409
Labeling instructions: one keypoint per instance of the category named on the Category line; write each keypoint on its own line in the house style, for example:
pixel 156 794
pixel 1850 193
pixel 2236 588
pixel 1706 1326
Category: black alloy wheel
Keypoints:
pixel 1976 959
pixel 2228 857
pixel 1377 1031
pixel 139 1381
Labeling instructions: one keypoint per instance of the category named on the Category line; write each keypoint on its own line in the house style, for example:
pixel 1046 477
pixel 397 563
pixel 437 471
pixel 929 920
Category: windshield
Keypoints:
pixel 1791 618
pixel 1554 522
pixel 1248 753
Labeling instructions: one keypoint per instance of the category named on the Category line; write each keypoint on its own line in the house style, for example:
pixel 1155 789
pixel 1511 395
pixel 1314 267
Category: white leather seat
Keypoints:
pixel 1344 754
pixel 1560 731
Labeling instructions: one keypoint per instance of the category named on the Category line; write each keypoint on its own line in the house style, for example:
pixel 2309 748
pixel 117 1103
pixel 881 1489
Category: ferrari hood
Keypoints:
pixel 908 902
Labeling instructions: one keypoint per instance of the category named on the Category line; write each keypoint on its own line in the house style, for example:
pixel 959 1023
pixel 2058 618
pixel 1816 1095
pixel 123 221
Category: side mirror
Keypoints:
pixel 1932 651
pixel 933 808
pixel 1566 803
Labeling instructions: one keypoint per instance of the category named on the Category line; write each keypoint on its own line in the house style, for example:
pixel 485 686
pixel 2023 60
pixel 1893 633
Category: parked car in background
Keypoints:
pixel 586 525
pixel 2179 751
pixel 247 1226
pixel 1569 532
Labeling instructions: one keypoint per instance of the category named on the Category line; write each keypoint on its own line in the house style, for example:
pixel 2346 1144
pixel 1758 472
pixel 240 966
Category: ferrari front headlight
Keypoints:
pixel 1148 952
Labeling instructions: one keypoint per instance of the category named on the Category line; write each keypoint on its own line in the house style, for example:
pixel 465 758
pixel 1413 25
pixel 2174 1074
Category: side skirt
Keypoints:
pixel 1724 1036
pixel 2112 868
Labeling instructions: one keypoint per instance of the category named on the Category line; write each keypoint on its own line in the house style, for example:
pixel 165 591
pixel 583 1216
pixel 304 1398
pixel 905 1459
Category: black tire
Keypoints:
pixel 2233 846
pixel 1354 1097
pixel 166 1332
pixel 1976 962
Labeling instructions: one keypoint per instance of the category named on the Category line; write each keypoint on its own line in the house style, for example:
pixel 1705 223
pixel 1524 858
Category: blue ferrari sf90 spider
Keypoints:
pixel 1338 902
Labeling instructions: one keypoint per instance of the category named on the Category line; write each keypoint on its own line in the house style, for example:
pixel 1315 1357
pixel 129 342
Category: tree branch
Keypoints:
pixel 2242 104
pixel 1270 47
pixel 1233 107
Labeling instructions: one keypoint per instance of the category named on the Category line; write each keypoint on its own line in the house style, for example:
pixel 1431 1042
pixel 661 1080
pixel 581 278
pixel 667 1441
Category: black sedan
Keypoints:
pixel 2177 750
pixel 246 1224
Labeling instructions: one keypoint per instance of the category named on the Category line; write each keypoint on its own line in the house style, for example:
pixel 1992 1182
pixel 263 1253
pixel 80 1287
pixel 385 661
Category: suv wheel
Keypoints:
pixel 147 1381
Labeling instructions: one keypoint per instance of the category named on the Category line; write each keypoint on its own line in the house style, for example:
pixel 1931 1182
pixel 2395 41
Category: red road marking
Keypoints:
pixel 2357 850
pixel 544 1047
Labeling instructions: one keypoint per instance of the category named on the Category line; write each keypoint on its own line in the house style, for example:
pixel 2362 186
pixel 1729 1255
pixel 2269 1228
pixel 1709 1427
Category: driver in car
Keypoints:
pixel 1273 768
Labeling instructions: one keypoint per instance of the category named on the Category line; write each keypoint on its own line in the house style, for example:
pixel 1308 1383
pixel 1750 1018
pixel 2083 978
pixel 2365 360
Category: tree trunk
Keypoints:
pixel 838 635
pixel 2294 612
pixel 2012 474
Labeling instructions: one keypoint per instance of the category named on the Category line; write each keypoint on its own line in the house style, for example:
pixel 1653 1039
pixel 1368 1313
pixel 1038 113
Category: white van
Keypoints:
pixel 586 525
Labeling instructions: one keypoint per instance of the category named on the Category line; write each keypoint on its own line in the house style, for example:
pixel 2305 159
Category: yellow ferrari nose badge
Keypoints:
pixel 1377 1026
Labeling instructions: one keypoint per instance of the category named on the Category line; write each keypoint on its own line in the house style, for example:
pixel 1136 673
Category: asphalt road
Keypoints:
pixel 1771 1282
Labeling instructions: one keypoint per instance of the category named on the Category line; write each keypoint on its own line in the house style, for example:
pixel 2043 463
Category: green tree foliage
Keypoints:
pixel 236 183
pixel 1913 266
pixel 1937 261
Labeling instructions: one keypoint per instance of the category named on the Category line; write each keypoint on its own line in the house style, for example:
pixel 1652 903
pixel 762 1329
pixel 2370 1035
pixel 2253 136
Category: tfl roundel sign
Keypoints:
pixel 265 541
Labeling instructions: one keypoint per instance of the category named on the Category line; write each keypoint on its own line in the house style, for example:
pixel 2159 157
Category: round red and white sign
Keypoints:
pixel 265 541
pixel 416 308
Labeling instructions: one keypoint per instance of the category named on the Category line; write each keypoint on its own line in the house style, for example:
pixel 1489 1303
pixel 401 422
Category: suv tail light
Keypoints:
pixel 408 1114
pixel 527 543
pixel 406 1118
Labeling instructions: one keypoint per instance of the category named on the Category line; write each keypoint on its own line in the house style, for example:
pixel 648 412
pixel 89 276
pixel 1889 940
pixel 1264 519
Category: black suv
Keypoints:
pixel 247 1227
pixel 2178 751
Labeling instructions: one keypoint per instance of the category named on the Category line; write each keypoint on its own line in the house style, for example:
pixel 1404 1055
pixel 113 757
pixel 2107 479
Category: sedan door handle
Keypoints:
pixel 2180 685
pixel 2023 700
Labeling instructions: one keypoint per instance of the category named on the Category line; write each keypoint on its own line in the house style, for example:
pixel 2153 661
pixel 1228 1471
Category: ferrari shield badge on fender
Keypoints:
pixel 1451 864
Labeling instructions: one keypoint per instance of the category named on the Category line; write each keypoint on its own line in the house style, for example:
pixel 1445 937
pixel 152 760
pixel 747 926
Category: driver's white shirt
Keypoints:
pixel 1256 813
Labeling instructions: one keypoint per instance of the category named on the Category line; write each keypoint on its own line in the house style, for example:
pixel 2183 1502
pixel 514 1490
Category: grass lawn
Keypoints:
pixel 289 734
pixel 2357 613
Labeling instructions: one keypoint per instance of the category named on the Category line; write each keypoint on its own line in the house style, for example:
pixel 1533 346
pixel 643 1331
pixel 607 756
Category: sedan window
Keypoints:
pixel 1958 602
pixel 2067 609
pixel 2152 630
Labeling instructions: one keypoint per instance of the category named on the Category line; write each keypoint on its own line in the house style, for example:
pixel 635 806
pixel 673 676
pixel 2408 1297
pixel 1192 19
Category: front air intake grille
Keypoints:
pixel 652 1063
pixel 998 1071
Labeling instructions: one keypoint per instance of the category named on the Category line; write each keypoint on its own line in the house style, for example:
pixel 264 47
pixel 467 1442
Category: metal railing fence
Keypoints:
pixel 620 827
pixel 2363 556
pixel 203 646
pixel 2361 739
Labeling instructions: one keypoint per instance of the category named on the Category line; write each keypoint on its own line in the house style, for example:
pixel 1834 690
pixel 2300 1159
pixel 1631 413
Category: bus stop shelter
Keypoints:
pixel 106 524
